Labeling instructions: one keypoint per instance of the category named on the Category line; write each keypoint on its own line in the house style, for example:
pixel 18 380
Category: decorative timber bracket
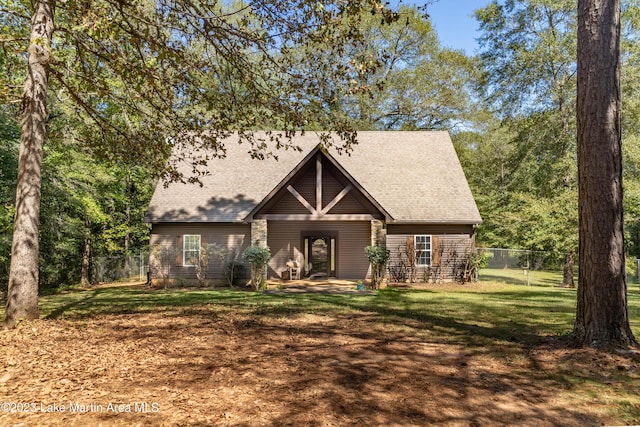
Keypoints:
pixel 306 184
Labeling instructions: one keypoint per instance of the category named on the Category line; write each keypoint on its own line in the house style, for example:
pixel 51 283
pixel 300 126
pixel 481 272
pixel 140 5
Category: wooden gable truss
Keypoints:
pixel 318 189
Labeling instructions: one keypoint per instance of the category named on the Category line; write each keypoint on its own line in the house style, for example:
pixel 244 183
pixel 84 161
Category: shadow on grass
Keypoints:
pixel 85 298
pixel 495 278
pixel 516 317
pixel 134 299
pixel 364 375
pixel 469 322
pixel 522 316
pixel 522 281
pixel 419 343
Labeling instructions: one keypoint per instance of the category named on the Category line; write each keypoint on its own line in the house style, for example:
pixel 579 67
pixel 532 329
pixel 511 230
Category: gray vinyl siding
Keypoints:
pixel 225 235
pixel 433 229
pixel 330 185
pixel 288 204
pixel 448 253
pixel 306 186
pixel 285 238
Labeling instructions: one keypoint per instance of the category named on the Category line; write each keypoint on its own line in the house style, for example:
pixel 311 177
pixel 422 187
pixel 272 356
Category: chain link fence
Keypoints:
pixel 514 266
pixel 519 266
pixel 537 268
pixel 120 268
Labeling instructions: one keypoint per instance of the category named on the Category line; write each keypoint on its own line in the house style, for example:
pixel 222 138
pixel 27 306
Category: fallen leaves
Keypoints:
pixel 199 367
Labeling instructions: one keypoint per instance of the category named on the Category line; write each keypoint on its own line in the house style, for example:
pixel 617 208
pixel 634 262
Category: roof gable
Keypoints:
pixel 318 188
pixel 411 177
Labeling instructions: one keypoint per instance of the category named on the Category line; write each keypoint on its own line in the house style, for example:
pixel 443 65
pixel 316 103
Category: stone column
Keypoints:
pixel 259 233
pixel 378 233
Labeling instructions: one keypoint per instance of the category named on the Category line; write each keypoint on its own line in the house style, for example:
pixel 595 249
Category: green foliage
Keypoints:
pixel 257 255
pixel 132 82
pixel 522 168
pixel 379 258
pixel 480 259
pixel 233 271
pixel 631 183
pixel 529 54
pixel 525 172
pixel 259 258
pixel 411 81
pixel 127 76
pixel 84 198
pixel 377 254
pixel 9 141
pixel 80 200
pixel 8 168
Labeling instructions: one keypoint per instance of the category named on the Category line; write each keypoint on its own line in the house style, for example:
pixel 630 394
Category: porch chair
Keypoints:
pixel 294 270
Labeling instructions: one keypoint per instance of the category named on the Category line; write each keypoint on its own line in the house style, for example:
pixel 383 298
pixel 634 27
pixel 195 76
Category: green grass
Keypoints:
pixel 500 311
pixel 537 277
pixel 496 318
pixel 517 277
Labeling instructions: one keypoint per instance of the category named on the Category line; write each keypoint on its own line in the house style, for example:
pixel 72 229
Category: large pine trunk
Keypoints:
pixel 601 316
pixel 22 296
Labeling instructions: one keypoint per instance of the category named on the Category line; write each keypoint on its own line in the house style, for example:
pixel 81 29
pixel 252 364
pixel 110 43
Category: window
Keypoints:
pixel 190 250
pixel 423 249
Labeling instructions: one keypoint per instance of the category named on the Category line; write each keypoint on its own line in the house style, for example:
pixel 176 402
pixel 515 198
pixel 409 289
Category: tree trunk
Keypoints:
pixel 86 253
pixel 567 274
pixel 86 256
pixel 127 236
pixel 127 215
pixel 22 296
pixel 602 318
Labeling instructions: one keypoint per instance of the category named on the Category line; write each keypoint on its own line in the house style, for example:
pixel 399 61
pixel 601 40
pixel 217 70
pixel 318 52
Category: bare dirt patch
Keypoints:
pixel 209 365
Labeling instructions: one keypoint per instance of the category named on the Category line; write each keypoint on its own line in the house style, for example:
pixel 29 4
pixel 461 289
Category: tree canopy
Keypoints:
pixel 529 141
pixel 133 81
pixel 411 81
pixel 113 88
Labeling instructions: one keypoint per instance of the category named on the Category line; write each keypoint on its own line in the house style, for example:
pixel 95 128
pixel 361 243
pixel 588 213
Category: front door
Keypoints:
pixel 320 256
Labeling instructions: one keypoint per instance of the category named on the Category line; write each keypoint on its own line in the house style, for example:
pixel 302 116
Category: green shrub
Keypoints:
pixel 378 257
pixel 258 257
pixel 233 271
pixel 480 259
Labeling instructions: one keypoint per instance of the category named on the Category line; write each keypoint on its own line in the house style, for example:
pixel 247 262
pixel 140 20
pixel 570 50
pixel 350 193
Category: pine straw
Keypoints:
pixel 212 366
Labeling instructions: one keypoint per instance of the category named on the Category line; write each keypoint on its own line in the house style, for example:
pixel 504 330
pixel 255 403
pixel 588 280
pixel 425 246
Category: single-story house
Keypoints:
pixel 318 209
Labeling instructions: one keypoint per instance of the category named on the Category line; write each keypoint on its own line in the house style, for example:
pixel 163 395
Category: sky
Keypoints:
pixel 454 22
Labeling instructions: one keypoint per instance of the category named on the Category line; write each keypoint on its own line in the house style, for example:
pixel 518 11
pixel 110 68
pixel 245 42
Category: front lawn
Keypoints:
pixel 483 354
pixel 521 276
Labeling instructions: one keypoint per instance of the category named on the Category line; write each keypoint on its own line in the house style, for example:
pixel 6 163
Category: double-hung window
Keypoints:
pixel 423 249
pixel 190 250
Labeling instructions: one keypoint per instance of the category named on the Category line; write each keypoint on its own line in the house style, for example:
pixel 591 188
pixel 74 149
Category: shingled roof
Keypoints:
pixel 415 176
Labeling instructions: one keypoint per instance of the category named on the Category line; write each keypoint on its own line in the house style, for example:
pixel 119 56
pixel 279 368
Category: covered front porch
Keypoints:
pixel 320 219
pixel 319 250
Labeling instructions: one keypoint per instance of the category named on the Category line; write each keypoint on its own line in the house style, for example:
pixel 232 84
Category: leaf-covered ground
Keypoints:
pixel 282 364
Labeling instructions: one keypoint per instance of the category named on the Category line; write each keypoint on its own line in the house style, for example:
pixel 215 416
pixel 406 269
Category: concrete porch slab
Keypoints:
pixel 305 286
